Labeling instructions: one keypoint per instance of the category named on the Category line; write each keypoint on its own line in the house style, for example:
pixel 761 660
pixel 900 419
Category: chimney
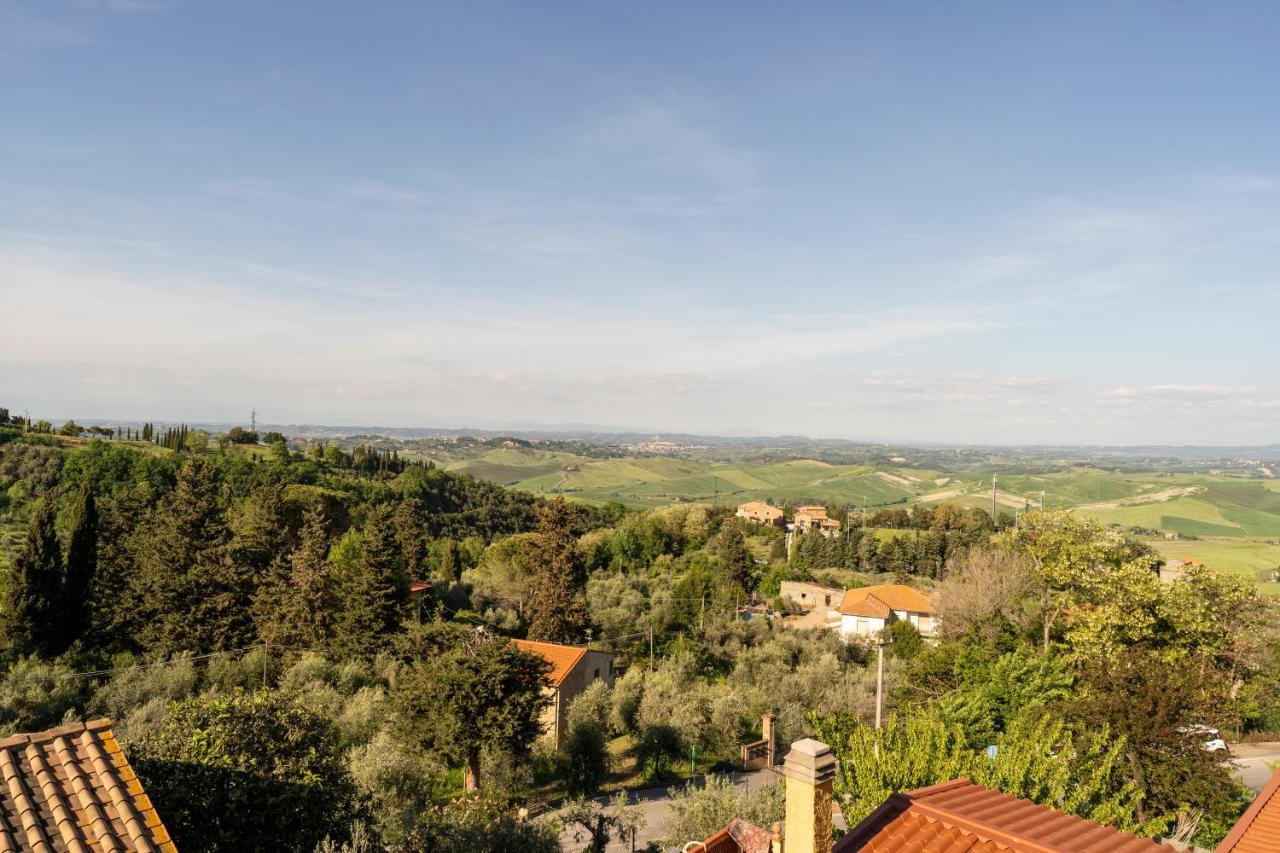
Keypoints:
pixel 810 769
pixel 769 735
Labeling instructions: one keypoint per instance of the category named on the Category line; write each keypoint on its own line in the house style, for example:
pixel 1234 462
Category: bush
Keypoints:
pixel 699 812
pixel 587 750
pixel 658 746
pixel 478 824
pixel 36 695
pixel 248 771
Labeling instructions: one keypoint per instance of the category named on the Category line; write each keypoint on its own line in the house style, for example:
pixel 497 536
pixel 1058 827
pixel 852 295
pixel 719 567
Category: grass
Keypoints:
pixel 1244 557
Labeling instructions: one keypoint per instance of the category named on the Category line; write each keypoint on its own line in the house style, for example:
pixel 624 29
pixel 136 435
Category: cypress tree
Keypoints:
pixel 298 611
pixel 375 597
pixel 180 589
pixel 82 564
pixel 411 535
pixel 557 601
pixel 35 588
pixel 734 556
pixel 449 570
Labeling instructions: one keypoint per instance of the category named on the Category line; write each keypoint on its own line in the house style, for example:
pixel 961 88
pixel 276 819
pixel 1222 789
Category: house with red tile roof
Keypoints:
pixel 573 670
pixel 961 816
pixel 952 817
pixel 1258 829
pixel 71 788
pixel 865 611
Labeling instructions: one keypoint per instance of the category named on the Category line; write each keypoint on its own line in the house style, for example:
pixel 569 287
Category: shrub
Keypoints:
pixel 247 771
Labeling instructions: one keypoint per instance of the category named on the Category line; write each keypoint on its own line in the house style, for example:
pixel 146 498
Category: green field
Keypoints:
pixel 1236 514
pixel 1244 557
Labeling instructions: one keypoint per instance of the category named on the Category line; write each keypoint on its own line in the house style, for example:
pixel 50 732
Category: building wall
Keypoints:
pixel 810 596
pixel 865 626
pixel 594 666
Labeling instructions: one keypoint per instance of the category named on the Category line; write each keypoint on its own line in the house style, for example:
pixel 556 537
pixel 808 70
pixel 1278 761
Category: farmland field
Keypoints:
pixel 1234 514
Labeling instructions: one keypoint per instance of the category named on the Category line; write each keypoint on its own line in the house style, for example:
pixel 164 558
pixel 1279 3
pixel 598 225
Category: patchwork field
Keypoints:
pixel 1236 514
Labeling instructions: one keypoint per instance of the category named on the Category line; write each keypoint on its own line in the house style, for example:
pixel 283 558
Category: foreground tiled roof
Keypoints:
pixel 562 658
pixel 71 789
pixel 961 817
pixel 1258 830
pixel 896 596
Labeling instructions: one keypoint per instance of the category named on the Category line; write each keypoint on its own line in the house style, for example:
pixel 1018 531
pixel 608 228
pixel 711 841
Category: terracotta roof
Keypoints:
pixel 419 587
pixel 961 817
pixel 562 658
pixel 759 507
pixel 1258 829
pixel 866 605
pixel 70 788
pixel 739 837
pixel 895 595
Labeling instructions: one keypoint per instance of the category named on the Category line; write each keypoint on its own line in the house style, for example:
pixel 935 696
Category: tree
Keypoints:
pixel 1153 704
pixel 449 571
pixel 412 536
pixel 82 564
pixel 698 812
pixel 739 565
pixel 70 428
pixel 185 592
pixel 33 597
pixel 463 691
pixel 557 604
pixel 299 610
pixel 478 824
pixel 986 589
pixel 375 595
pixel 601 824
pixel 1038 759
pixel 247 772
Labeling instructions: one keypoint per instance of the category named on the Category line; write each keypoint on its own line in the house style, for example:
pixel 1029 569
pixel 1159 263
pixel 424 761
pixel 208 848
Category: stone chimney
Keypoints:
pixel 769 734
pixel 810 769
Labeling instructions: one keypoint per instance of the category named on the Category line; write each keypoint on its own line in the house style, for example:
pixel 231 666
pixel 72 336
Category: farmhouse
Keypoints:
pixel 810 596
pixel 814 518
pixel 573 670
pixel 71 788
pixel 759 512
pixel 867 610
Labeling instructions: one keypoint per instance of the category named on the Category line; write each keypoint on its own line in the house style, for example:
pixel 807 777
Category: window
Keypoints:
pixel 596 677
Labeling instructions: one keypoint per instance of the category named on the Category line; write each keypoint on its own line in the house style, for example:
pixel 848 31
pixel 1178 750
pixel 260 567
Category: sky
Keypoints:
pixel 994 222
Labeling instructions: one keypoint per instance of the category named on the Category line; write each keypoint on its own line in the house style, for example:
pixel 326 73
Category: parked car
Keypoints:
pixel 1211 739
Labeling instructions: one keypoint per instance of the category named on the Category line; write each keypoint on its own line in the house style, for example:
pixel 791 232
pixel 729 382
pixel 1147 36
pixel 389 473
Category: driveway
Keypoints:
pixel 656 806
pixel 1251 762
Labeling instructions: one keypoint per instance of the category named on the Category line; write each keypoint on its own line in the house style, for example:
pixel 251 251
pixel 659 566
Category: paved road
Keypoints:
pixel 1251 762
pixel 657 811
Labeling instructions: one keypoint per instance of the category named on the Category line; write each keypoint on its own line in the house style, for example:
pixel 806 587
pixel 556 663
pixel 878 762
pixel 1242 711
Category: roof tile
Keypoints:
pixel 562 658
pixel 71 789
pixel 961 817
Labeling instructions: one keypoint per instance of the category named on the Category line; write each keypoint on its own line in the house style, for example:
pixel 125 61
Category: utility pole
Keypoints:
pixel 880 644
pixel 994 518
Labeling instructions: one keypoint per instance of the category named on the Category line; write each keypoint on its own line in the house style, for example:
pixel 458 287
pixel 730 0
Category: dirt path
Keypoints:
pixel 1151 498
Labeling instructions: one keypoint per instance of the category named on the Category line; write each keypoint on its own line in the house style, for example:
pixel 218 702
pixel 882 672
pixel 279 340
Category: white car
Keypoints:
pixel 1212 742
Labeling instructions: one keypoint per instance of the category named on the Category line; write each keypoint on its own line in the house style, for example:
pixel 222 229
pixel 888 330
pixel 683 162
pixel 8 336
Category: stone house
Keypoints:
pixel 573 670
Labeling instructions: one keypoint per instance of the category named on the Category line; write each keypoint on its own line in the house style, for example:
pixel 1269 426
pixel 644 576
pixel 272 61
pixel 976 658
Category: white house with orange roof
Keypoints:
pixel 573 670
pixel 866 611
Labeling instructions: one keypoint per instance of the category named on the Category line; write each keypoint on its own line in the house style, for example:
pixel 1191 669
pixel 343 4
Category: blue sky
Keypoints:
pixel 1009 222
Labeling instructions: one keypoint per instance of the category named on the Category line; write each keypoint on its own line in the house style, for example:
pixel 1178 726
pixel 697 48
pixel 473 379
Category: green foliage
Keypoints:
pixel 478 824
pixel 249 771
pixel 33 598
pixel 462 691
pixel 906 639
pixel 1038 759
pixel 36 694
pixel 698 812
pixel 657 746
pixel 82 563
pixel 557 607
pixel 375 595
